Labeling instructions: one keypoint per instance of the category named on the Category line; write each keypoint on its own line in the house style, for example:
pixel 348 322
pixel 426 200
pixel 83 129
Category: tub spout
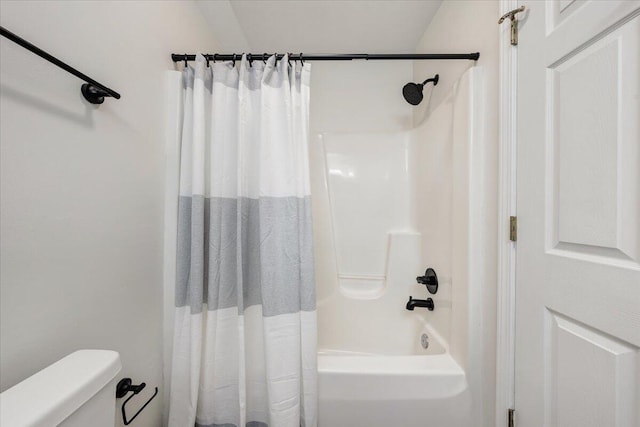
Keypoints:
pixel 413 303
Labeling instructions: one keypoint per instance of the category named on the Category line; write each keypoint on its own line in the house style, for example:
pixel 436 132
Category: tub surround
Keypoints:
pixel 372 368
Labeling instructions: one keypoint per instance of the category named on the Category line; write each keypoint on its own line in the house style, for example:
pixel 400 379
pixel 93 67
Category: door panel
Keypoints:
pixel 578 249
pixel 590 376
pixel 592 137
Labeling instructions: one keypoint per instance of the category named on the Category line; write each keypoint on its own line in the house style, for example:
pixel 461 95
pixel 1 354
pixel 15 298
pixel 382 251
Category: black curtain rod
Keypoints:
pixel 92 91
pixel 179 57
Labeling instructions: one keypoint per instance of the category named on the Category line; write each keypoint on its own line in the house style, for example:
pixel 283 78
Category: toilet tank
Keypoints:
pixel 78 390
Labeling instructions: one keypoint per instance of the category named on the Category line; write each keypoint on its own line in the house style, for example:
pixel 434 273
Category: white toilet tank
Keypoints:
pixel 76 391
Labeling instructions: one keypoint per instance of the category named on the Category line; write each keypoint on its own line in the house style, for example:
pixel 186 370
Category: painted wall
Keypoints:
pixel 82 186
pixel 471 26
pixel 359 96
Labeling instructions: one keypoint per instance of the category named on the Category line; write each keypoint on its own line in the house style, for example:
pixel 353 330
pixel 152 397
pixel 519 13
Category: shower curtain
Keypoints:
pixel 245 322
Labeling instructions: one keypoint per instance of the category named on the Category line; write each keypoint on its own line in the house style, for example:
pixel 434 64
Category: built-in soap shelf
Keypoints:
pixel 402 260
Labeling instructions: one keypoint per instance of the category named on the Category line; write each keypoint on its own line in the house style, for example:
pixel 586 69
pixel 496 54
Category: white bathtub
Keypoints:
pixel 426 388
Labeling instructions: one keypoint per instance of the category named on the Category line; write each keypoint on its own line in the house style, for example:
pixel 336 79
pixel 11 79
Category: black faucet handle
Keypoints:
pixel 430 279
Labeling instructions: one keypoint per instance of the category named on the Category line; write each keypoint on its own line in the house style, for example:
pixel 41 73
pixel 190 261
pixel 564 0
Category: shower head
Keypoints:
pixel 412 92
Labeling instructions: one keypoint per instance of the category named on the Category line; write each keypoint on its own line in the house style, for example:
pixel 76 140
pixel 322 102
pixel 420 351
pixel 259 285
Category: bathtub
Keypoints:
pixel 417 389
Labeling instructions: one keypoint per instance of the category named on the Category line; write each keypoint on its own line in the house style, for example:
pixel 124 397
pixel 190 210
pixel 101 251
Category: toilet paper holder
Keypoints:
pixel 125 386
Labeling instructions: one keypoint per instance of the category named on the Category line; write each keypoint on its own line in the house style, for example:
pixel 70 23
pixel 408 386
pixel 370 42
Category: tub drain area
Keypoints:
pixel 424 341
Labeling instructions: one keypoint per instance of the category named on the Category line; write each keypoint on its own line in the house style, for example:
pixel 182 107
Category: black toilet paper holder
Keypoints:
pixel 125 386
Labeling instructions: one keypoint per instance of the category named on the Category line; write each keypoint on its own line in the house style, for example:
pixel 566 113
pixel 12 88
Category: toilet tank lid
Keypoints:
pixel 51 395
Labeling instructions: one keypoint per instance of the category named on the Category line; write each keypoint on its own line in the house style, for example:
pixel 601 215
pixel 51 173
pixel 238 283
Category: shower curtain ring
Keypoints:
pixel 186 64
pixel 301 60
pixel 234 59
pixel 289 59
pixel 250 59
pixel 207 58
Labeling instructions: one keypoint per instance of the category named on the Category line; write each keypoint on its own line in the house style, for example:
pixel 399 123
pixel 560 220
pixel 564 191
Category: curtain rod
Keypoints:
pixel 92 91
pixel 179 57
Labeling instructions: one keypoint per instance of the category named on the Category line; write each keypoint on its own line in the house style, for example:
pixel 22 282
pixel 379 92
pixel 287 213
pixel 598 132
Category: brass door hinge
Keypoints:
pixel 510 414
pixel 513 228
pixel 514 23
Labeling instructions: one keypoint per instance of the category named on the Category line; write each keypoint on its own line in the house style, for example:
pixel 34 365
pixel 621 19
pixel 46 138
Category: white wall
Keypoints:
pixel 82 186
pixel 459 27
pixel 359 96
pixel 471 26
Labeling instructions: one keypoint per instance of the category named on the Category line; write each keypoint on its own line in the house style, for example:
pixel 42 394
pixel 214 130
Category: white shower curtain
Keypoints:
pixel 245 322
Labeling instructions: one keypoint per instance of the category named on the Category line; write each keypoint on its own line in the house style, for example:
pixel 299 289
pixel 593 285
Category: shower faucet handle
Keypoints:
pixel 430 280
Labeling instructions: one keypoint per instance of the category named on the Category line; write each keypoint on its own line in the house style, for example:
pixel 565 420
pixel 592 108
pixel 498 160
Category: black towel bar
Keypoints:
pixel 92 91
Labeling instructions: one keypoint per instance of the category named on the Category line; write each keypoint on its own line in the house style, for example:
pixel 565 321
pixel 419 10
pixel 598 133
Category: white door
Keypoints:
pixel 578 249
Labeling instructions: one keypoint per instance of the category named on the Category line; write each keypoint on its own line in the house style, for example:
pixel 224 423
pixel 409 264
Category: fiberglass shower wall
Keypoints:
pixel 350 99
pixel 373 245
pixel 387 205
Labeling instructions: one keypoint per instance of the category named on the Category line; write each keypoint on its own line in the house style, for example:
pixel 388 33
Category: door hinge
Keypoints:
pixel 510 413
pixel 513 228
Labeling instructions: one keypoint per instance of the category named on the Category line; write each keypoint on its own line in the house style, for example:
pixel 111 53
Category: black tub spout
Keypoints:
pixel 413 303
